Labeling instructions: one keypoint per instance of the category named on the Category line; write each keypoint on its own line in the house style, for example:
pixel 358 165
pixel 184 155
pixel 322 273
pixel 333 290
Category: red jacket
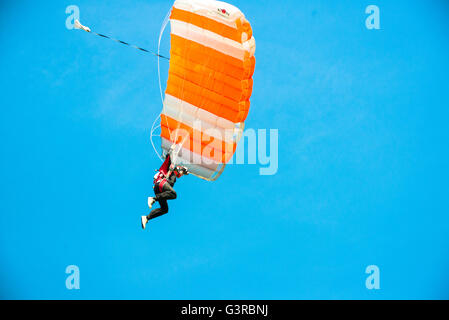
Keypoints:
pixel 161 176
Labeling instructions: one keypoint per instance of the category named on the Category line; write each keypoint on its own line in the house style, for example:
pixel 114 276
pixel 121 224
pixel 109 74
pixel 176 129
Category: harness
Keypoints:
pixel 160 178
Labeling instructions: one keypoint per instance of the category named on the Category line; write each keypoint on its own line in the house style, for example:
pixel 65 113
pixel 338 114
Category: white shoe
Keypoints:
pixel 144 221
pixel 151 201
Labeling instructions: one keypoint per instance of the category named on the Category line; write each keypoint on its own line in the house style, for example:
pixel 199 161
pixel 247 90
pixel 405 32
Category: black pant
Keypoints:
pixel 168 193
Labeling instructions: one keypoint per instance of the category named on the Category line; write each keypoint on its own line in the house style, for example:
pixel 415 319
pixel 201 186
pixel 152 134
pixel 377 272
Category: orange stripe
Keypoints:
pixel 237 90
pixel 232 75
pixel 197 53
pixel 206 99
pixel 213 25
pixel 200 143
pixel 245 71
pixel 190 88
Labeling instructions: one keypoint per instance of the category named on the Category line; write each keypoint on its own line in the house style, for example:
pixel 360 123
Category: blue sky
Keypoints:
pixel 363 158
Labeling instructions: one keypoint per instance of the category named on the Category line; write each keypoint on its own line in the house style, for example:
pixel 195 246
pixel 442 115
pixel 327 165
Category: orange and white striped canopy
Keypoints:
pixel 209 84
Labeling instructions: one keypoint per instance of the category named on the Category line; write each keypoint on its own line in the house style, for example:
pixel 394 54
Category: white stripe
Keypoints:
pixel 202 120
pixel 206 168
pixel 209 9
pixel 208 38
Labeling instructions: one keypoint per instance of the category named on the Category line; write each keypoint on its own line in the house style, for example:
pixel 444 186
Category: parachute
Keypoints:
pixel 209 84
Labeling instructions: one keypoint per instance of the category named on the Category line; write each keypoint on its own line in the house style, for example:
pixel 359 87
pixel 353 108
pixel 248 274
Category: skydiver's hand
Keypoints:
pixel 185 171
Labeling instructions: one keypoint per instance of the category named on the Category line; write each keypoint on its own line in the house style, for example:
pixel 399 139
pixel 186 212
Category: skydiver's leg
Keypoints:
pixel 168 193
pixel 159 211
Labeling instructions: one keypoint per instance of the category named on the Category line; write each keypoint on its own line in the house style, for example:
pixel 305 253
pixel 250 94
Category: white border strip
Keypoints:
pixel 208 39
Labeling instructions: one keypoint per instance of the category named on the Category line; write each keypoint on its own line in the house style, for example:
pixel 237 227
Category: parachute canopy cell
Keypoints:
pixel 209 84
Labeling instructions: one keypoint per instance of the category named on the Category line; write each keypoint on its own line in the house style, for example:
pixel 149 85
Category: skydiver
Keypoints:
pixel 163 181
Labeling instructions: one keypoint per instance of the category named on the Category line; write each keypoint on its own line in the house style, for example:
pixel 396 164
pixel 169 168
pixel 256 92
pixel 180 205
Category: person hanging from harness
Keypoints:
pixel 163 181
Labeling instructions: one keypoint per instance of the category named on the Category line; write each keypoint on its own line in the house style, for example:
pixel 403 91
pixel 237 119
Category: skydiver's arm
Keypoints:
pixel 171 178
